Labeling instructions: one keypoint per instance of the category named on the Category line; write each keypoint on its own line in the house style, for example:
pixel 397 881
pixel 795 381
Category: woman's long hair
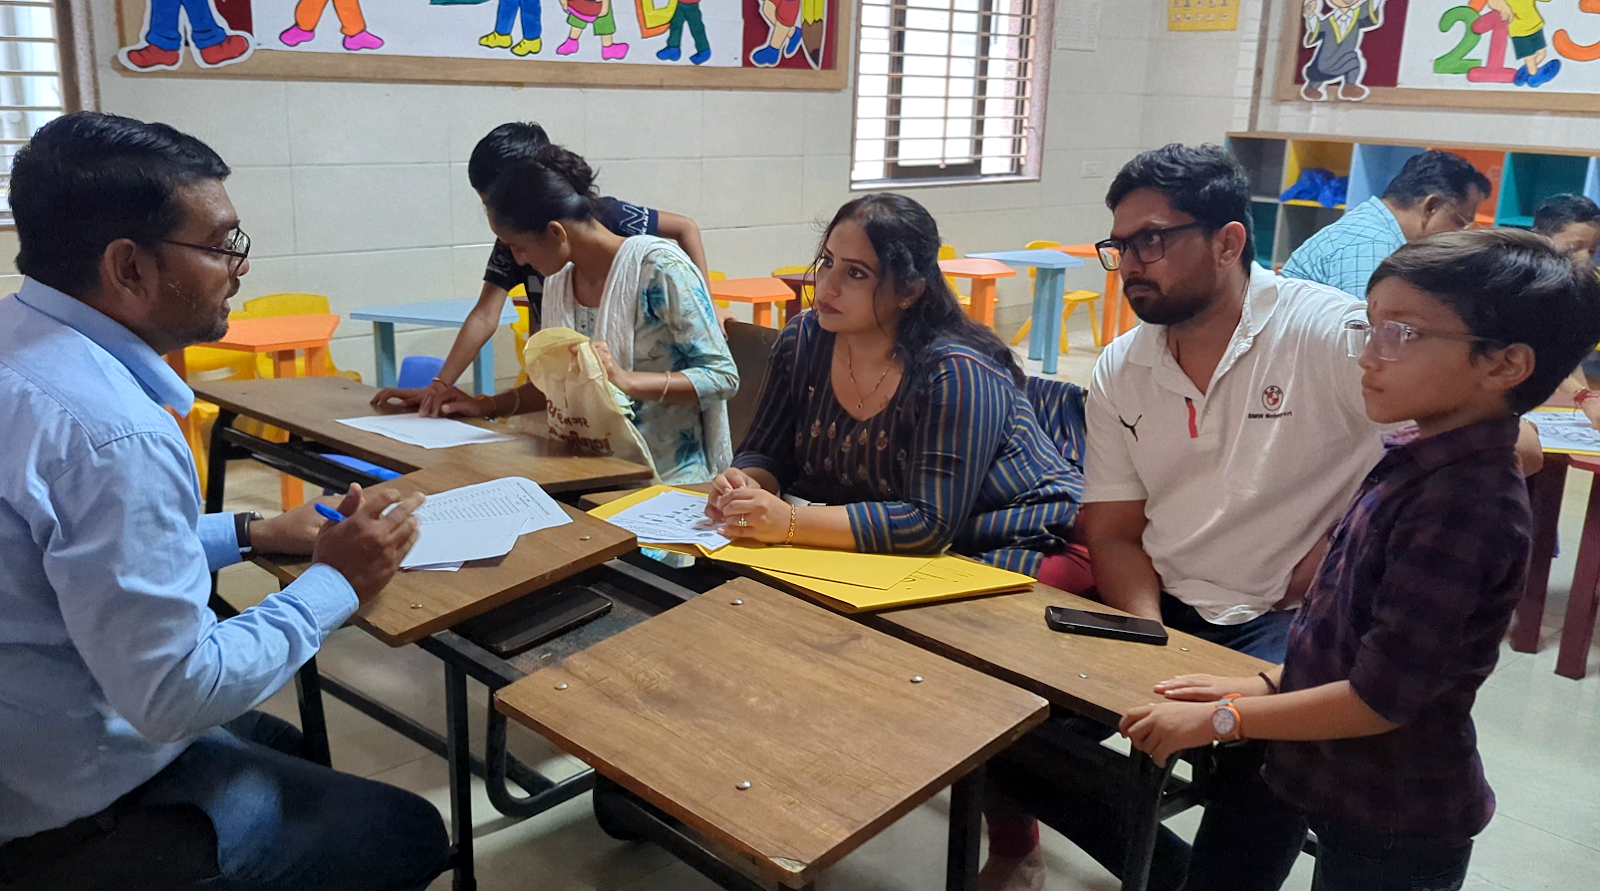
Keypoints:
pixel 906 239
pixel 554 185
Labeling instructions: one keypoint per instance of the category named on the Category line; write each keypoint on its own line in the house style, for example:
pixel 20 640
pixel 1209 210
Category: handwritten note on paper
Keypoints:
pixel 1566 432
pixel 671 517
pixel 427 433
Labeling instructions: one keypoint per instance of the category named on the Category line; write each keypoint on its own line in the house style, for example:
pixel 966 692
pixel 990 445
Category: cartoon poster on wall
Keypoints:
pixel 330 37
pixel 1517 54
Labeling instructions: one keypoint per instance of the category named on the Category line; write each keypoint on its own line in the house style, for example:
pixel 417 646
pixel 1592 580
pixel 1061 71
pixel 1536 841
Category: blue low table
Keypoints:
pixel 432 314
pixel 1049 286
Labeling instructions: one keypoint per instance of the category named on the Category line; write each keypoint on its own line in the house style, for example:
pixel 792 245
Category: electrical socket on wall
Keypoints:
pixel 1091 170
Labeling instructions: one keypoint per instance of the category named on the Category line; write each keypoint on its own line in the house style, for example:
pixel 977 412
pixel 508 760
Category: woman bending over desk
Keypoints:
pixel 909 421
pixel 640 299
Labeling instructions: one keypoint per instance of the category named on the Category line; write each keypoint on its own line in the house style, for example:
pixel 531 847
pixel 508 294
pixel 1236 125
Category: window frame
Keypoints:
pixel 78 85
pixel 1030 128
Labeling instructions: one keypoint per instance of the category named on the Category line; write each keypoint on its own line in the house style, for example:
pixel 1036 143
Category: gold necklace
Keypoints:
pixel 850 368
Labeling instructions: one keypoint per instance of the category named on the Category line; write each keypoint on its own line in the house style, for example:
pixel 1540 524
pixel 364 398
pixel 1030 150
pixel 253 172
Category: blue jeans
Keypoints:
pixel 239 810
pixel 507 14
pixel 1248 838
pixel 1350 859
pixel 203 28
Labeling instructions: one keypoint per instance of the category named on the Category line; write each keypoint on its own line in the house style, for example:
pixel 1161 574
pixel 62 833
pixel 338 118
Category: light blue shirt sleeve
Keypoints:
pixel 129 562
pixel 220 538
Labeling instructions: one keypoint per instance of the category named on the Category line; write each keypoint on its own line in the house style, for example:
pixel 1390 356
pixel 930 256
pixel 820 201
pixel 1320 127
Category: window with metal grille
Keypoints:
pixel 945 89
pixel 30 81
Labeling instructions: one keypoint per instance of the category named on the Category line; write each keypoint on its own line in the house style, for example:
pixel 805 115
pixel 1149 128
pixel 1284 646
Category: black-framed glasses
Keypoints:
pixel 236 247
pixel 1147 245
pixel 1389 338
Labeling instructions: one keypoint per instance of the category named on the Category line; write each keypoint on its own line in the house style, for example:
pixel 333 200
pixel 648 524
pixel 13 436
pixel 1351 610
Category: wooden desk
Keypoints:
pixel 761 293
pixel 1006 636
pixel 309 407
pixel 417 604
pixel 983 274
pixel 745 684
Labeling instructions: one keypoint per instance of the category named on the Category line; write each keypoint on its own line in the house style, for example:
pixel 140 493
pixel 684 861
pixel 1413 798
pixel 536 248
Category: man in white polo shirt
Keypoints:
pixel 1226 435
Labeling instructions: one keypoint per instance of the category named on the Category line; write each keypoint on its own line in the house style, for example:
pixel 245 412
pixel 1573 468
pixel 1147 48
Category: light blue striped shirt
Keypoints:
pixel 110 661
pixel 1345 254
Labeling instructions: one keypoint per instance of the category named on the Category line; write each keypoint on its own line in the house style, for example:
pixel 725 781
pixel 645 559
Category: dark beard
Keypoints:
pixel 1156 307
pixel 200 320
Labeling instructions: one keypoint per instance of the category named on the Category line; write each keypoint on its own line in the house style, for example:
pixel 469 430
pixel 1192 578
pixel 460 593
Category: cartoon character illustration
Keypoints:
pixel 783 18
pixel 505 20
pixel 1336 38
pixel 351 22
pixel 581 14
pixel 686 12
pixel 1526 27
pixel 214 44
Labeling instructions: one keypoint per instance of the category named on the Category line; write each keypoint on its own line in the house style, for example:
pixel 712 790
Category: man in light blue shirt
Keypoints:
pixel 1434 192
pixel 129 752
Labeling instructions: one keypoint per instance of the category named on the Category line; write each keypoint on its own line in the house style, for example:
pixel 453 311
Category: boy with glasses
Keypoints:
pixel 1370 713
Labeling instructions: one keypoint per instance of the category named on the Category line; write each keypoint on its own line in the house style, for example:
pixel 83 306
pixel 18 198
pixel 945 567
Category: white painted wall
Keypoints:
pixel 359 191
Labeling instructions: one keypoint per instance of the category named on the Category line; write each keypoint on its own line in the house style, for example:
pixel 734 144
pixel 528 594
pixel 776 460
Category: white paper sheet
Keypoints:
pixel 427 433
pixel 671 518
pixel 1078 25
pixel 1565 430
pixel 480 522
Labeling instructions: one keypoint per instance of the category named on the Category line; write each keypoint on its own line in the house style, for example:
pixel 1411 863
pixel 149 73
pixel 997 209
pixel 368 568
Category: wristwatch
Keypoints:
pixel 1225 721
pixel 241 531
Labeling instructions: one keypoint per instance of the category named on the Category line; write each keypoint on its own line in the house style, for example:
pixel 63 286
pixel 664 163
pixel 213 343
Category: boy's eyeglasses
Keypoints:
pixel 1147 245
pixel 1390 338
pixel 236 247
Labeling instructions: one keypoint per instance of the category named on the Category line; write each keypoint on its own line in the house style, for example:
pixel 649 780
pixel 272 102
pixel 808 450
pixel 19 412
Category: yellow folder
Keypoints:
pixel 944 578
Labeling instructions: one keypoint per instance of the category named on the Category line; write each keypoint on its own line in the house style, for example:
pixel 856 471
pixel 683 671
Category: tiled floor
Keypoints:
pixel 1539 733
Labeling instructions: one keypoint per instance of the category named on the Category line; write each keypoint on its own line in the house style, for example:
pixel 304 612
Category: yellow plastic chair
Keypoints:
pixel 713 275
pixel 519 332
pixel 1069 304
pixel 949 252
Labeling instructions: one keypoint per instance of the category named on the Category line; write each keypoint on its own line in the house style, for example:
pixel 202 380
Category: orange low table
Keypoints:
pixel 983 274
pixel 1116 316
pixel 280 336
pixel 761 293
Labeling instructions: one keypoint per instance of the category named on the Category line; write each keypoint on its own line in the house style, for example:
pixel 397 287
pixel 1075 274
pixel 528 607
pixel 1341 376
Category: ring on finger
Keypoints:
pixel 744 522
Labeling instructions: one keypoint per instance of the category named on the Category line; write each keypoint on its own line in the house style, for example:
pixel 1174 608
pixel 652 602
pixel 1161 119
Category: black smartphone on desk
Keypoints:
pixel 1118 627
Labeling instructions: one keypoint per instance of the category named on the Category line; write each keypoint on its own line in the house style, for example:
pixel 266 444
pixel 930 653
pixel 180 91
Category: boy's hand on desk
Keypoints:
pixel 1167 728
pixel 291 532
pixel 368 545
pixel 1210 688
pixel 724 485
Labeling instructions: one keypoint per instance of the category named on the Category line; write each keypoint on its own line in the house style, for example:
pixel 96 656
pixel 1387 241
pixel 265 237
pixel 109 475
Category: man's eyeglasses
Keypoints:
pixel 1390 338
pixel 236 247
pixel 1147 245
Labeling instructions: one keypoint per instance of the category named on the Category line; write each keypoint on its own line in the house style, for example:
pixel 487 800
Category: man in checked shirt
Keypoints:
pixel 1369 717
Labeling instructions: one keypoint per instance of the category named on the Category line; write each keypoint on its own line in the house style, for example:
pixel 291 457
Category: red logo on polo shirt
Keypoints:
pixel 1272 398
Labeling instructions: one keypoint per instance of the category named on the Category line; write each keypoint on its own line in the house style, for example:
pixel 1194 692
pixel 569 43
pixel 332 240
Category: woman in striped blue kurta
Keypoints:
pixel 907 420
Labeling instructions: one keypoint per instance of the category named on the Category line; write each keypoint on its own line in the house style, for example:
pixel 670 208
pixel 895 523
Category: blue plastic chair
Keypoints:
pixel 416 372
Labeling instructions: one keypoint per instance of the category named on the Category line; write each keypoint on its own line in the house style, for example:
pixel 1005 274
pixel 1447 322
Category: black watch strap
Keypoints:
pixel 241 531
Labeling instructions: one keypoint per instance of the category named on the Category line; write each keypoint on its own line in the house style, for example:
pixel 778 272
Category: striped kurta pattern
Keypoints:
pixel 956 459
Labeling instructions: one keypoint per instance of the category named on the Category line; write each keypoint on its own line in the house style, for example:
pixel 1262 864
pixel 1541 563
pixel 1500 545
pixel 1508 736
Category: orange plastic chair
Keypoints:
pixel 1069 302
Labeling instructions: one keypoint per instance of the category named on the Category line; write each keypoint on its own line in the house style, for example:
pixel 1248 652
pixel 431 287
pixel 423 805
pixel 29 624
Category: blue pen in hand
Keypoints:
pixel 332 515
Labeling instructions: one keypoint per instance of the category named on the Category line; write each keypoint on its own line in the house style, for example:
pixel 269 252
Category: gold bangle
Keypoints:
pixel 665 386
pixel 516 403
pixel 794 514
